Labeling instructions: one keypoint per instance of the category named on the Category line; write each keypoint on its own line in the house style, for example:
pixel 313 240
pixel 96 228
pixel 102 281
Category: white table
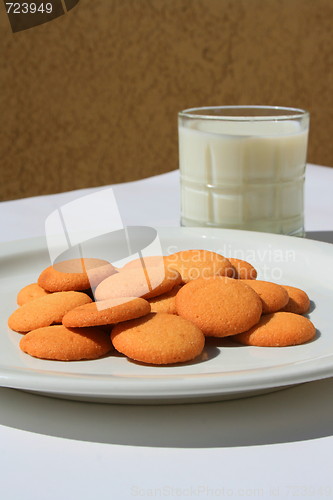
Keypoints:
pixel 277 445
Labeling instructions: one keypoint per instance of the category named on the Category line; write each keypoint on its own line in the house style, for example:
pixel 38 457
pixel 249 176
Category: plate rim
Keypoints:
pixel 111 387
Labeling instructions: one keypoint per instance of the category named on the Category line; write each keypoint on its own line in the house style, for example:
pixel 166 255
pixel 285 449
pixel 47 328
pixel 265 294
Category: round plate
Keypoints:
pixel 225 369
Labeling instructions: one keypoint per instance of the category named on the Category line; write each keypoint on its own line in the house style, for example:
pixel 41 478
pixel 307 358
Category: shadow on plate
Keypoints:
pixel 222 342
pixel 298 413
pixel 312 307
pixel 209 352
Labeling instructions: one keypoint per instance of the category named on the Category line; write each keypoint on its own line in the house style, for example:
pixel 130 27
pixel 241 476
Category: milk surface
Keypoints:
pixel 245 175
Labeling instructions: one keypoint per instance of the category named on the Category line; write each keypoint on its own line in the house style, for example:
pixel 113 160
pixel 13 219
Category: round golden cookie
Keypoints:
pixel 273 296
pixel 156 260
pixel 75 275
pixel 158 339
pixel 66 344
pixel 45 311
pixel 243 269
pixel 194 264
pixel 278 329
pixel 138 282
pixel 30 292
pixel 106 312
pixel 299 302
pixel 219 306
pixel 165 303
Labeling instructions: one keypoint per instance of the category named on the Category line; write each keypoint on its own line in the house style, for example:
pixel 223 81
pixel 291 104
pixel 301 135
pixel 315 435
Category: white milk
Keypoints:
pixel 245 175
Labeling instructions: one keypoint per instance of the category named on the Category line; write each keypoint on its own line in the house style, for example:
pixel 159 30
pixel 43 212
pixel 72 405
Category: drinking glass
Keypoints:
pixel 243 167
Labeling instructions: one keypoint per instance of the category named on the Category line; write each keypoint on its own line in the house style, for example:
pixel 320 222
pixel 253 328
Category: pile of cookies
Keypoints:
pixel 156 310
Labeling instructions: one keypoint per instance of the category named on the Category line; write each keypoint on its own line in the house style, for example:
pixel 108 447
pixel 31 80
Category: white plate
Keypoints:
pixel 225 370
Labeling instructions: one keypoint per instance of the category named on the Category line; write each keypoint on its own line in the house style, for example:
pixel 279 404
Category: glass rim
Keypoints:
pixel 291 113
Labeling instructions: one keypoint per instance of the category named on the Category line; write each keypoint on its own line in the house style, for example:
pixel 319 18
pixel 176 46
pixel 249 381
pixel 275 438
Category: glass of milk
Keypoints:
pixel 243 167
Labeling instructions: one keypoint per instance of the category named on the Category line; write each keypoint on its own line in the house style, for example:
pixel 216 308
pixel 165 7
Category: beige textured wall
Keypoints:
pixel 91 97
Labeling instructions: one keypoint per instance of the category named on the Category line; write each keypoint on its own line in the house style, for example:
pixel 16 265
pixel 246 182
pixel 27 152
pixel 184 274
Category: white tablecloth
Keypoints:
pixel 155 202
pixel 277 445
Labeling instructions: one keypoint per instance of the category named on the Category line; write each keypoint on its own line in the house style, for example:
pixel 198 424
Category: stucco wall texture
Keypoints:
pixel 91 98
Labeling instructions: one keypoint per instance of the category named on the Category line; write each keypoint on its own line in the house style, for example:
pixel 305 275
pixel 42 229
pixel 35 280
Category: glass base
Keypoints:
pixel 272 227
